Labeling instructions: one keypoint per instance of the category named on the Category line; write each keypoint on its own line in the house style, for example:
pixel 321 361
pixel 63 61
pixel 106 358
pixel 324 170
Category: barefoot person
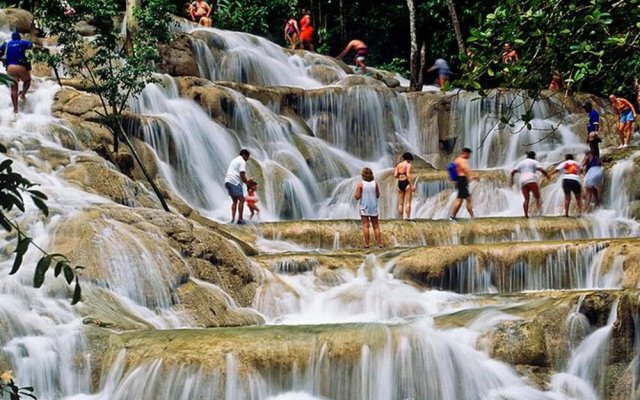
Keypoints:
pixel 361 50
pixel 593 127
pixel 463 174
pixel 236 176
pixel 17 66
pixel 626 115
pixel 368 193
pixel 292 33
pixel 527 169
pixel 252 198
pixel 570 182
pixel 593 168
pixel 200 12
pixel 405 185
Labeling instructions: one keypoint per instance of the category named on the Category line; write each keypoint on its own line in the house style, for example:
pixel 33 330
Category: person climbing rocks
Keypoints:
pixel 443 71
pixel 527 169
pixel 17 65
pixel 626 115
pixel 361 50
pixel 593 127
pixel 462 174
pixel 509 55
pixel 200 12
pixel 252 198
pixel 405 185
pixel 306 31
pixel 292 33
pixel 236 176
pixel 592 165
pixel 570 182
pixel 368 193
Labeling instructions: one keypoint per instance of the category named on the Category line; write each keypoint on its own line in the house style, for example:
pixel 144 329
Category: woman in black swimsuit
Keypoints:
pixel 405 186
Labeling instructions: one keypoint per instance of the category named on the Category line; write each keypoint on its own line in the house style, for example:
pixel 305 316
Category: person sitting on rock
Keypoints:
pixel 199 12
pixel 17 65
pixel 361 50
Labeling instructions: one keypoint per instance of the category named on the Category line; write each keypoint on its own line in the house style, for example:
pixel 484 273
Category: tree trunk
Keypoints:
pixel 423 63
pixel 343 30
pixel 131 25
pixel 456 26
pixel 636 86
pixel 414 60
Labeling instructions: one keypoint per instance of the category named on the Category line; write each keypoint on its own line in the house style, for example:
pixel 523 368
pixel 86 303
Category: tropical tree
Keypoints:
pixel 114 67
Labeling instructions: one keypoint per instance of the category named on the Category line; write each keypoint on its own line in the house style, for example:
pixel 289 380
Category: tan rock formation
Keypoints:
pixel 16 19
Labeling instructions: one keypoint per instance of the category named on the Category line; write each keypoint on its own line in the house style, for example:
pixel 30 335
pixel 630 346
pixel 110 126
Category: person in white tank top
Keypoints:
pixel 367 193
pixel 527 169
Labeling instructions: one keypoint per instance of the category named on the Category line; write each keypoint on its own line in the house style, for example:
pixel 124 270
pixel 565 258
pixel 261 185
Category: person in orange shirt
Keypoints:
pixel 626 115
pixel 306 31
pixel 509 55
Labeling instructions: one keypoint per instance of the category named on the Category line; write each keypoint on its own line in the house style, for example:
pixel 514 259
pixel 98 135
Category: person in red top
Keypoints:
pixel 306 31
pixel 405 185
pixel 626 115
pixel 557 83
pixel 252 198
pixel 509 55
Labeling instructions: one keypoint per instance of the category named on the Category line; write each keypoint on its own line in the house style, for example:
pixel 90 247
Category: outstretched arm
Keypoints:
pixel 208 9
pixel 515 171
pixel 345 51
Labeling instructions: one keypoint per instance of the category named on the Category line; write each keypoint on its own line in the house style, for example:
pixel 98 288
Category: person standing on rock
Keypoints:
pixel 462 175
pixel 592 166
pixel 292 33
pixel 368 193
pixel 570 182
pixel 593 126
pixel 306 31
pixel 527 169
pixel 17 65
pixel 236 176
pixel 361 50
pixel 626 115
pixel 405 185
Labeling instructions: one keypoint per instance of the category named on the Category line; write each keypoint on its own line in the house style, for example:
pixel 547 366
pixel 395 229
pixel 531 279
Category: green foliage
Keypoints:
pixel 15 393
pixel 398 65
pixel 593 44
pixel 260 17
pixel 113 67
pixel 13 187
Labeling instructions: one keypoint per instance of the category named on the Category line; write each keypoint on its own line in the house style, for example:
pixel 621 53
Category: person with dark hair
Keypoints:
pixel 557 83
pixel 570 182
pixel 592 166
pixel 593 126
pixel 361 50
pixel 405 186
pixel 292 33
pixel 463 175
pixel 17 65
pixel 509 55
pixel 236 176
pixel 368 193
pixel 306 31
pixel 527 169
pixel 200 12
pixel 626 115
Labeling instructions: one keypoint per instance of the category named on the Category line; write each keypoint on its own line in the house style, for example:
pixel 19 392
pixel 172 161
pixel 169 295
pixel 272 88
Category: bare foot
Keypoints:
pixel 23 96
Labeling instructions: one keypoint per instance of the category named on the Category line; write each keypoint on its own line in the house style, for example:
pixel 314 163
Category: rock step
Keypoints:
pixel 347 234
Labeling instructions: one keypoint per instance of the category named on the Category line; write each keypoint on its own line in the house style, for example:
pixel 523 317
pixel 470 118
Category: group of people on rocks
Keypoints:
pixel 367 191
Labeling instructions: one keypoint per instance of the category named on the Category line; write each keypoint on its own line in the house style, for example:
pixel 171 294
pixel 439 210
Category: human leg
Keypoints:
pixel 627 133
pixel 365 230
pixel 535 189
pixel 14 96
pixel 401 194
pixel 469 205
pixel 240 208
pixel 526 190
pixel 234 206
pixel 407 203
pixel 376 230
pixel 456 207
pixel 26 84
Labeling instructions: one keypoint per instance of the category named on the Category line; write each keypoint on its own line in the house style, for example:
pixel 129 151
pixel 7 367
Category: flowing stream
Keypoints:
pixel 349 332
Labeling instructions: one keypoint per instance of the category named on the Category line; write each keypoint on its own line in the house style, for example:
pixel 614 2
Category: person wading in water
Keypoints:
pixel 405 185
pixel 236 176
pixel 367 193
pixel 361 51
pixel 527 169
pixel 18 67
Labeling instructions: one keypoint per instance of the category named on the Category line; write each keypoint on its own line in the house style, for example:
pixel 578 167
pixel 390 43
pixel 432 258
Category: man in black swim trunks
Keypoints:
pixel 462 183
pixel 361 50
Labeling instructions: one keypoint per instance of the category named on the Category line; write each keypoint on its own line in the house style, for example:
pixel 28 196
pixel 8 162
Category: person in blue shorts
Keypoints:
pixel 17 65
pixel 626 116
pixel 443 71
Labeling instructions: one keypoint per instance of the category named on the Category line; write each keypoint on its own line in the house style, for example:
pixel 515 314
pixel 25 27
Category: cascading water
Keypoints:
pixel 331 331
